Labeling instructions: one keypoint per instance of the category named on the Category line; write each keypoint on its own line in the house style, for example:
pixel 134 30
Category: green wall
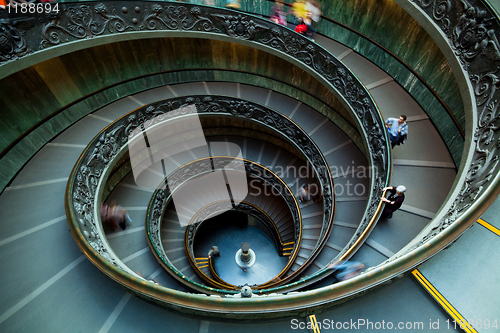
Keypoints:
pixel 387 24
pixel 54 84
pixel 51 86
pixel 62 90
pixel 421 69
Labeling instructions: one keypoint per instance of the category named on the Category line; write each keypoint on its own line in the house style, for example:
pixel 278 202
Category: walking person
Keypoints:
pixel 277 13
pixel 347 269
pixel 114 215
pixel 394 201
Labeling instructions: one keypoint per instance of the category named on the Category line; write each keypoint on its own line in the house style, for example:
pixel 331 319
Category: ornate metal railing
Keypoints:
pixel 95 20
pixel 98 21
pixel 268 225
pixel 220 23
pixel 89 175
pixel 224 206
pixel 471 31
pixel 163 195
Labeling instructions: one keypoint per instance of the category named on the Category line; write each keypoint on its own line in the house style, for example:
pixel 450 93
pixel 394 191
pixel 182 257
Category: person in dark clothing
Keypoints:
pixel 305 26
pixel 214 252
pixel 305 195
pixel 113 216
pixel 394 201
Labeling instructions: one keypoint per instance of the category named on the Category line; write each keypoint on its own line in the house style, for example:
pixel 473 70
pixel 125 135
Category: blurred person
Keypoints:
pixel 277 13
pixel 301 28
pixel 299 9
pixel 314 7
pixel 310 31
pixel 235 4
pixel 305 26
pixel 305 194
pixel 347 269
pixel 114 216
pixel 214 252
pixel 394 201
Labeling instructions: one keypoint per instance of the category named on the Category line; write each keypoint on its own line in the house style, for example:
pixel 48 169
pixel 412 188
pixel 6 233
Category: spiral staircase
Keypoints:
pixel 448 165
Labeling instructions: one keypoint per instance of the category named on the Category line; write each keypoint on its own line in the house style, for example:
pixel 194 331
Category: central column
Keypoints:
pixel 245 257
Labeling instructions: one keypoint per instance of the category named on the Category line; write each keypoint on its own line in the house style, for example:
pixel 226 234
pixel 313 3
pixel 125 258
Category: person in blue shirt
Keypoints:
pixel 398 130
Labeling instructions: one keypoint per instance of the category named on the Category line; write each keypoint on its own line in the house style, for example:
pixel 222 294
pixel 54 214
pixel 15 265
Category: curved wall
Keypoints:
pixel 410 56
pixel 55 93
pixel 445 226
pixel 378 20
pixel 53 84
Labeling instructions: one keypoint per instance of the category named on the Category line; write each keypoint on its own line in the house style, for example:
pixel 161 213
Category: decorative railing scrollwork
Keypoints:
pixel 94 20
pixel 13 44
pixel 163 195
pixel 243 207
pixel 473 32
pixel 91 20
pixel 95 163
pixel 85 182
pixel 83 21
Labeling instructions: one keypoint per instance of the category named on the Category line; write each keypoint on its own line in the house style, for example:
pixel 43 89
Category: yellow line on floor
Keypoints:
pixel 314 323
pixel 489 226
pixel 443 302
